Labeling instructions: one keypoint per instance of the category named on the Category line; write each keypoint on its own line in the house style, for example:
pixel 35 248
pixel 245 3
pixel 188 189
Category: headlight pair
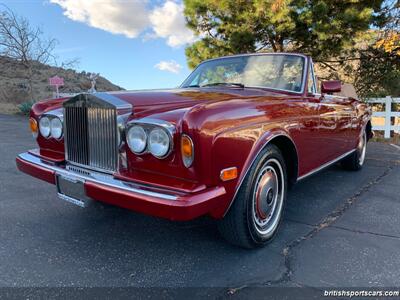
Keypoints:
pixel 154 139
pixel 51 127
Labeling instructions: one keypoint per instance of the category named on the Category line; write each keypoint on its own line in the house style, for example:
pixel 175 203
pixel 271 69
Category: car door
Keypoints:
pixel 335 122
pixel 310 152
pixel 335 126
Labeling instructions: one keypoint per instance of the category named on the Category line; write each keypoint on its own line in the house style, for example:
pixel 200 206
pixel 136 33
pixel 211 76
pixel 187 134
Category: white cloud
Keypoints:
pixel 129 18
pixel 168 22
pixel 169 66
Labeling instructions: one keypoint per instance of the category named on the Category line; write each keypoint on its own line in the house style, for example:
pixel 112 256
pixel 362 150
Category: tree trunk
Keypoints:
pixel 30 82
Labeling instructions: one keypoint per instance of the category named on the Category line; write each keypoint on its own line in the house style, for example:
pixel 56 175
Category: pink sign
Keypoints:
pixel 56 81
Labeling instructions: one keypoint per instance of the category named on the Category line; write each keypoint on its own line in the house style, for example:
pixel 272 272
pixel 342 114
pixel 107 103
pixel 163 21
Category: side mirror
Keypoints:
pixel 331 86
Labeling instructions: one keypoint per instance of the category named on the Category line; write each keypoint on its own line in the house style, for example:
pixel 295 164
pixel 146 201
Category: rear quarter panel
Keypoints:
pixel 363 117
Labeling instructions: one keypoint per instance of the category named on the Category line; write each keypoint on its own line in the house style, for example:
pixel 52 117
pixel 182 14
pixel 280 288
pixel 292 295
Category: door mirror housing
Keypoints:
pixel 331 86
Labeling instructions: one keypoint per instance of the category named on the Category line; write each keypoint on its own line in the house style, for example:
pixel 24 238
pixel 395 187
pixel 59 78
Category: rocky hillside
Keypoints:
pixel 15 88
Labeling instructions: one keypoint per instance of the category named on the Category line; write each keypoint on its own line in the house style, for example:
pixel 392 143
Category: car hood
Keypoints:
pixel 187 95
pixel 151 102
pixel 172 104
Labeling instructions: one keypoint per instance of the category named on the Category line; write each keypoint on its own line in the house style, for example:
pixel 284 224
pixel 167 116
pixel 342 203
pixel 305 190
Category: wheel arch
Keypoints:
pixel 289 151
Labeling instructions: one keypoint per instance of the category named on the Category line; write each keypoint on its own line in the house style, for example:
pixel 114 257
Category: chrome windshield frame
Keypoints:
pixel 304 73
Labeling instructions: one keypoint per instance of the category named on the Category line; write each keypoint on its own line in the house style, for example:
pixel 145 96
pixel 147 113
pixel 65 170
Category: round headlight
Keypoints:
pixel 159 142
pixel 44 127
pixel 137 139
pixel 56 128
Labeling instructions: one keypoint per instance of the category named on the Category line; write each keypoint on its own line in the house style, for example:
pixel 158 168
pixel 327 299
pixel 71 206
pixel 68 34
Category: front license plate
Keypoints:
pixel 72 190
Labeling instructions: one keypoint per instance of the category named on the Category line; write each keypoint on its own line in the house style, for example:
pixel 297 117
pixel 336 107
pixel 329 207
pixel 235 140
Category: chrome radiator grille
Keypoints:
pixel 91 136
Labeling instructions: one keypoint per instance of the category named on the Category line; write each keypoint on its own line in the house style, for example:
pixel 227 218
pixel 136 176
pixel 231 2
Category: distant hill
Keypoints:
pixel 14 85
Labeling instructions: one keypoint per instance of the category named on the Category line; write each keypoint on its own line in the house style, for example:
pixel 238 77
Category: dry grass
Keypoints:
pixel 379 137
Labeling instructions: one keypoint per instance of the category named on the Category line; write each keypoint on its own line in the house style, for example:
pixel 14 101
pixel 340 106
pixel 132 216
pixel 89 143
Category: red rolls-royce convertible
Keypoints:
pixel 227 143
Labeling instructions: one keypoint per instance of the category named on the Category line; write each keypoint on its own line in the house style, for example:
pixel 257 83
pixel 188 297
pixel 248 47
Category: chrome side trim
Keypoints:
pixel 103 179
pixel 320 168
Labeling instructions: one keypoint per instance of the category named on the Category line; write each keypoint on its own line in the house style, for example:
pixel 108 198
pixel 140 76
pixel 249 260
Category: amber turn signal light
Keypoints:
pixel 229 174
pixel 187 150
pixel 34 127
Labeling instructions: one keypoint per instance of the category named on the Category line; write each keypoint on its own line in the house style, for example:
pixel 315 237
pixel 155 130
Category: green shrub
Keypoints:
pixel 25 107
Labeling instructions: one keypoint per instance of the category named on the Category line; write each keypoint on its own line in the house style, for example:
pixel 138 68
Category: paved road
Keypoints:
pixel 341 229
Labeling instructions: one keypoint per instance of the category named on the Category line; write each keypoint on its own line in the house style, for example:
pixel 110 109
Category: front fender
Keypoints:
pixel 239 148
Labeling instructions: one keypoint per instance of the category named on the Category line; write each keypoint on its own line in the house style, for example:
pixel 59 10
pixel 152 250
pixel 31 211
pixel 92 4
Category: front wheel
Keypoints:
pixel 356 160
pixel 257 210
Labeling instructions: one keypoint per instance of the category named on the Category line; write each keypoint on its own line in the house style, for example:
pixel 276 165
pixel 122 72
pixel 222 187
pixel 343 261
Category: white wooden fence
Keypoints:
pixel 387 114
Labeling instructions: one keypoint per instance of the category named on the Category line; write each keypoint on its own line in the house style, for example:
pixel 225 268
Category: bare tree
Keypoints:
pixel 69 64
pixel 21 41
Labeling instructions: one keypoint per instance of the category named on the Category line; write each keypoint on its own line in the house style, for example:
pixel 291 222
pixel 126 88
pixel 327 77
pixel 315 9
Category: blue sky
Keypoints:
pixel 135 44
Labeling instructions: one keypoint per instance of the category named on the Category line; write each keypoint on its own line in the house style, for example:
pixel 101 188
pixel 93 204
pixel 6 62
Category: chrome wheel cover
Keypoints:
pixel 362 148
pixel 267 197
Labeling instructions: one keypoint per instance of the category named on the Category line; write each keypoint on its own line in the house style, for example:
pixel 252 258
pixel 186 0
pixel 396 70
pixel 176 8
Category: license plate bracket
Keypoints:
pixel 72 189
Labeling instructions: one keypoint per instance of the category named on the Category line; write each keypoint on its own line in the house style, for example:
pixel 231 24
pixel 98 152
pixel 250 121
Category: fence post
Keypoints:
pixel 388 115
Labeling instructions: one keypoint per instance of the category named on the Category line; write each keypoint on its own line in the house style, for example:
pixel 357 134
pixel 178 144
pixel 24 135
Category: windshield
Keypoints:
pixel 277 71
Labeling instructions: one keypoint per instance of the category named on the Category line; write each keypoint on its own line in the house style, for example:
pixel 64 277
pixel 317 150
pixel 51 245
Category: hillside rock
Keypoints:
pixel 15 88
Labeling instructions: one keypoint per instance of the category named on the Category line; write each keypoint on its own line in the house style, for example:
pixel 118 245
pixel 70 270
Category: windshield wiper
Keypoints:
pixel 241 85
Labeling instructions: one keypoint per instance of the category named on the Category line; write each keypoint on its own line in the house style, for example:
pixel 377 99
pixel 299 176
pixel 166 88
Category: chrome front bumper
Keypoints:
pixel 148 199
pixel 96 177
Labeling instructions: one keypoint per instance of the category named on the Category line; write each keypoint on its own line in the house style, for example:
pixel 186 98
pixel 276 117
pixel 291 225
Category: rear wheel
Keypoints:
pixel 356 160
pixel 257 210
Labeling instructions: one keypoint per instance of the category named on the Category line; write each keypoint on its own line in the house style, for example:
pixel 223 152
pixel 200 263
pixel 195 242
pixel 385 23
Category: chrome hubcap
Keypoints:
pixel 362 148
pixel 266 193
pixel 268 196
